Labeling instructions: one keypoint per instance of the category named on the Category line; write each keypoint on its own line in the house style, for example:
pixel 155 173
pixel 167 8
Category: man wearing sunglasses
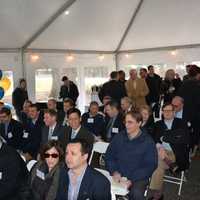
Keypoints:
pixel 77 179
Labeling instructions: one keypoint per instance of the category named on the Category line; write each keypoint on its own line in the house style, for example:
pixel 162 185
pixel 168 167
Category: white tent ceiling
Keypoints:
pixel 98 25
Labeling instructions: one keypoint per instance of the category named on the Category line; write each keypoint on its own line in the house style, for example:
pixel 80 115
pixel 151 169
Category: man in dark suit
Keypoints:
pixel 13 174
pixel 94 121
pixel 52 129
pixel 114 120
pixel 69 90
pixel 75 130
pixel 169 152
pixel 113 88
pixel 32 133
pixel 81 181
pixel 67 104
pixel 10 130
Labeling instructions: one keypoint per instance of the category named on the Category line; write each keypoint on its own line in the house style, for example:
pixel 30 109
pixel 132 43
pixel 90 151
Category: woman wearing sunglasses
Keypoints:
pixel 45 174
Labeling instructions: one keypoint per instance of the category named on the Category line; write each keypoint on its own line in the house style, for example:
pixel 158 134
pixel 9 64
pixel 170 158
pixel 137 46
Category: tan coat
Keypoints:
pixel 137 91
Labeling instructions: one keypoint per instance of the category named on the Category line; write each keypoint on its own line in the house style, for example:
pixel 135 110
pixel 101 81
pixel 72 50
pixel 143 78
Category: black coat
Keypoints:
pixel 83 133
pixel 14 134
pixel 94 186
pixel 153 84
pixel 149 126
pixel 181 151
pixel 14 175
pixel 95 125
pixel 115 89
pixel 170 89
pixel 18 98
pixel 32 137
pixel 71 92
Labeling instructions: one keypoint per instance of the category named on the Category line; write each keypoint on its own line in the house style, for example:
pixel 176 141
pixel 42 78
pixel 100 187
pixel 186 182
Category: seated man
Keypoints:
pixel 23 117
pixel 75 130
pixel 94 121
pixel 13 174
pixel 10 130
pixel 52 129
pixel 126 105
pixel 114 120
pixel 67 104
pixel 78 180
pixel 131 157
pixel 32 133
pixel 169 153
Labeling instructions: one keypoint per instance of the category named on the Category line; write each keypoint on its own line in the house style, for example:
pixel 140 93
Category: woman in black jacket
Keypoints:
pixel 45 174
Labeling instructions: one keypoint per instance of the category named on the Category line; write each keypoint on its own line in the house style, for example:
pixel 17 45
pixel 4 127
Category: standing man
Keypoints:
pixel 113 88
pixel 19 96
pixel 69 90
pixel 137 89
pixel 78 180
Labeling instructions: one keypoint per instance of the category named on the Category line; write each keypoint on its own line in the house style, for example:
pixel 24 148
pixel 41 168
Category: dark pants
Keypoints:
pixel 137 190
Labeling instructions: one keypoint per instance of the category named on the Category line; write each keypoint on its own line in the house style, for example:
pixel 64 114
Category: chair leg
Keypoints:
pixel 181 183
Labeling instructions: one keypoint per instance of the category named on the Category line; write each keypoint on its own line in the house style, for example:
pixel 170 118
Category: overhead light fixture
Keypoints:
pixel 101 57
pixel 67 12
pixel 127 55
pixel 70 57
pixel 34 57
pixel 174 52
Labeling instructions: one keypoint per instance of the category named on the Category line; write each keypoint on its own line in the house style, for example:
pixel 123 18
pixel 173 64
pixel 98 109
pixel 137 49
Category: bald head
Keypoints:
pixel 178 103
pixel 133 74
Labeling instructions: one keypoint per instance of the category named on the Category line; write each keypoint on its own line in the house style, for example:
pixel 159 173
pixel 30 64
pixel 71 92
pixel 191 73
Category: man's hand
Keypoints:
pixel 116 177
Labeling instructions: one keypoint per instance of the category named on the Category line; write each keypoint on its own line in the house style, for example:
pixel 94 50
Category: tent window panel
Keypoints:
pixel 94 76
pixel 8 93
pixel 43 84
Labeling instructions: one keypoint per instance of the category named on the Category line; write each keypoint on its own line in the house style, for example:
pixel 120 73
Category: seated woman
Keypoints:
pixel 131 157
pixel 147 120
pixel 45 173
pixel 173 152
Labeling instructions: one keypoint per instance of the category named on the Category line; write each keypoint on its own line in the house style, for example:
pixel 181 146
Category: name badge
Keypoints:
pixel 54 137
pixel 90 120
pixel 10 135
pixel 40 174
pixel 115 130
pixel 0 175
pixel 25 135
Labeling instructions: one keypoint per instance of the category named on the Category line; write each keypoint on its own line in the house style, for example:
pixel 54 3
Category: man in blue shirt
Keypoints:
pixel 79 181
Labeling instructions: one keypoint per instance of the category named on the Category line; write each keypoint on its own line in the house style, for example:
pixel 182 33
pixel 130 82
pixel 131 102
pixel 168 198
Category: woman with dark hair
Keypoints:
pixel 45 174
pixel 147 119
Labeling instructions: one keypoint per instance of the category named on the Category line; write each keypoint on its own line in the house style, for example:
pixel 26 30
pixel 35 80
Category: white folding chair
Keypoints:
pixel 176 180
pixel 99 147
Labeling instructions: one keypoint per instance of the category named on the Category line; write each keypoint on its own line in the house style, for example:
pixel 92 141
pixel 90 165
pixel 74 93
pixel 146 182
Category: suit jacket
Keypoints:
pixel 115 89
pixel 94 186
pixel 58 131
pixel 32 137
pixel 83 133
pixel 139 93
pixel 117 127
pixel 181 151
pixel 71 93
pixel 14 134
pixel 14 175
pixel 95 125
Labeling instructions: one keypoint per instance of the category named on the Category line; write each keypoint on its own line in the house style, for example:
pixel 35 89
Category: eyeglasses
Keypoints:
pixel 53 155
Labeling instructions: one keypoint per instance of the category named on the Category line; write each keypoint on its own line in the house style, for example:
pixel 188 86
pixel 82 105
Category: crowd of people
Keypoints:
pixel 145 137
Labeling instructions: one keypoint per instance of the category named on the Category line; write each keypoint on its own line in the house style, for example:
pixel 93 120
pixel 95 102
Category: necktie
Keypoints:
pixel 50 133
pixel 73 135
pixel 109 128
